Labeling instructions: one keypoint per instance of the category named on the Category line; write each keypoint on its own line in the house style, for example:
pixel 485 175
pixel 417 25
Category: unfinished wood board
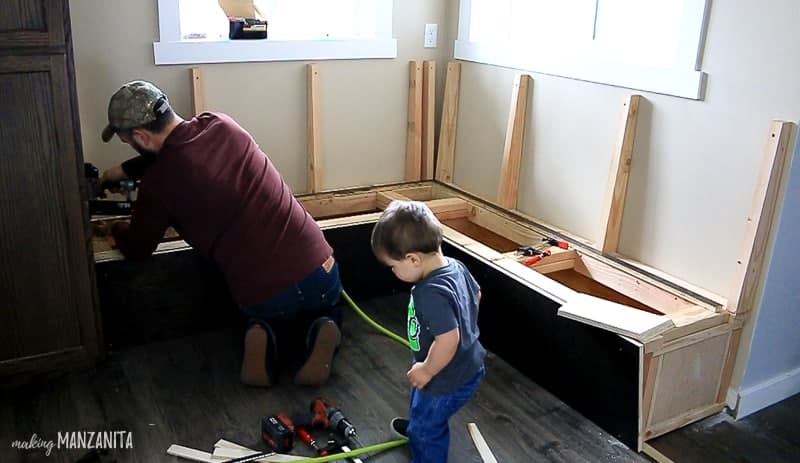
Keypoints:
pixel 717 302
pixel 481 234
pixel 556 291
pixel 419 193
pixel 614 202
pixel 480 444
pixel 198 92
pixel 349 220
pixel 583 284
pixel 683 420
pixel 223 453
pixel 333 205
pixel 472 245
pixel 414 130
pixel 688 380
pixel 449 208
pixel 313 130
pixel 651 364
pixel 633 286
pixel 533 223
pixel 386 197
pixel 428 118
pixel 505 227
pixel 614 317
pixel 445 208
pixel 730 362
pixel 758 224
pixel 546 268
pixel 190 454
pixel 657 456
pixel 515 136
pixel 445 160
pixel 695 338
pixel 693 320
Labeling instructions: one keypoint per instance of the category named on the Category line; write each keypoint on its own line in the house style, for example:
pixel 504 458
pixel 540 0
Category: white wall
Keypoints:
pixel 364 103
pixel 695 163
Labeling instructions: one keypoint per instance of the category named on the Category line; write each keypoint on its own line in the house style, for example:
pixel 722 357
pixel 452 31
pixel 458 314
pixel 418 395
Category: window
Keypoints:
pixel 196 31
pixel 652 45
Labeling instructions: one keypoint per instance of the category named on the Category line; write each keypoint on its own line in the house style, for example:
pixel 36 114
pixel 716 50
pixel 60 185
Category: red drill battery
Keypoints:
pixel 278 432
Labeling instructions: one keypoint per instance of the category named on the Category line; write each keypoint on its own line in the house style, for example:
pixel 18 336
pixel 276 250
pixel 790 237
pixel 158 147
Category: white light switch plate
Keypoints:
pixel 431 32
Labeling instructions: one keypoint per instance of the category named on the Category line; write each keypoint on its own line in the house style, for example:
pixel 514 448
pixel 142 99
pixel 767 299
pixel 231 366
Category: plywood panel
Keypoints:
pixel 637 324
pixel 688 379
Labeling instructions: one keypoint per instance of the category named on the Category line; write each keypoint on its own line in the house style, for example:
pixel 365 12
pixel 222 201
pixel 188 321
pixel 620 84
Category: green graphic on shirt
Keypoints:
pixel 413 326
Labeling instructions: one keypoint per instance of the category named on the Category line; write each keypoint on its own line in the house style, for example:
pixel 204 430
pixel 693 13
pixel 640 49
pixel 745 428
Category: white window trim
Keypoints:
pixel 170 49
pixel 684 80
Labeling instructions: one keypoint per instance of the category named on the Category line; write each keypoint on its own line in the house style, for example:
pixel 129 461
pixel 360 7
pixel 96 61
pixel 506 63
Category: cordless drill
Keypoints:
pixel 337 422
pixel 105 206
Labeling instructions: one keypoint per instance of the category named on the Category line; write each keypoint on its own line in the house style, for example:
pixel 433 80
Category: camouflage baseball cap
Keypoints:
pixel 135 104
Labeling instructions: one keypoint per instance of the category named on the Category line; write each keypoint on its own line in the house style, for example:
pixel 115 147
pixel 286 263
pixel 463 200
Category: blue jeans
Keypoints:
pixel 292 316
pixel 428 428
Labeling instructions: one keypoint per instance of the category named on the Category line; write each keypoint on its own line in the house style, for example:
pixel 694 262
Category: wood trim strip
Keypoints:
pixel 445 162
pixel 428 118
pixel 614 202
pixel 313 131
pixel 508 190
pixel 414 130
pixel 749 265
pixel 198 91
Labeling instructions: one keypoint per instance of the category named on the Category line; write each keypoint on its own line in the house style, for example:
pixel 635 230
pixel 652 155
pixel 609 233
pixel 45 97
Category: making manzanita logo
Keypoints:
pixel 78 440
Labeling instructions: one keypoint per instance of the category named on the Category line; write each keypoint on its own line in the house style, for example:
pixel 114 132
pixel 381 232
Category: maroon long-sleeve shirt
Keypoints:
pixel 222 194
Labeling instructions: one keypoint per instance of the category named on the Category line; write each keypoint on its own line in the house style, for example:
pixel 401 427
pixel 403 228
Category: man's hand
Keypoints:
pixel 112 175
pixel 418 376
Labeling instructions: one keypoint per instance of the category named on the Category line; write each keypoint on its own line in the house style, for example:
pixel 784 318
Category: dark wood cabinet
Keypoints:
pixel 48 316
pixel 28 24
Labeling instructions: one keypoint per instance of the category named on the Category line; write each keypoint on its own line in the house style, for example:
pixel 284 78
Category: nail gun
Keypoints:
pixel 107 206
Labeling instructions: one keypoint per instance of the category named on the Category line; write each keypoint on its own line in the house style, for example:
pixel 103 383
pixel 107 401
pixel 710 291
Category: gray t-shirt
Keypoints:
pixel 447 298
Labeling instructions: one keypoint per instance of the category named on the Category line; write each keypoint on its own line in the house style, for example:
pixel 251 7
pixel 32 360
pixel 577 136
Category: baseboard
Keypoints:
pixel 762 395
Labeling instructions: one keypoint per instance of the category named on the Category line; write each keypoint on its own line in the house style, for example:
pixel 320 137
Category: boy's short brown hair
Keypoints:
pixel 404 227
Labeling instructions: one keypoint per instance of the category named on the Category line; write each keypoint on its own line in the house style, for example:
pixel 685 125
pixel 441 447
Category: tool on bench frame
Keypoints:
pixel 554 242
pixel 534 254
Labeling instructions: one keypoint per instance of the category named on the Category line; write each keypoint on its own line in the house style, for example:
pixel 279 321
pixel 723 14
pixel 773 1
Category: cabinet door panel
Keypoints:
pixel 31 23
pixel 45 290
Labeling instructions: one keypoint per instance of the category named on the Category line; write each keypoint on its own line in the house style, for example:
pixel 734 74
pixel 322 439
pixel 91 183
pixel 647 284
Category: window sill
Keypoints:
pixel 237 51
pixel 687 83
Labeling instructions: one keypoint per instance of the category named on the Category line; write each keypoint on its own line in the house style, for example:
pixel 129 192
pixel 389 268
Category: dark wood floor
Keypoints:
pixel 771 435
pixel 186 391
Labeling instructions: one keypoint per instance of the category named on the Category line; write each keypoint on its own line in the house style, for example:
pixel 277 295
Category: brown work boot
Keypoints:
pixel 317 369
pixel 254 363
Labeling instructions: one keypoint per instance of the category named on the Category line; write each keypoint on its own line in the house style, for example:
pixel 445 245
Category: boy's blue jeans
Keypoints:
pixel 428 428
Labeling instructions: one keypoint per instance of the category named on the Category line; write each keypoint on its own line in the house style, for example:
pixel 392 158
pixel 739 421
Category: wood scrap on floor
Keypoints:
pixel 224 451
pixel 657 456
pixel 480 443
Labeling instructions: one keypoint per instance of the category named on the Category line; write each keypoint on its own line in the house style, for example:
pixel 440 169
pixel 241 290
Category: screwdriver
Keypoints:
pixel 538 255
pixel 306 437
pixel 554 242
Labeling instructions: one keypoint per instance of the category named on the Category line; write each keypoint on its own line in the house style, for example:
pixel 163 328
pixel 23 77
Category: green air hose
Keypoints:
pixel 355 452
pixel 372 322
